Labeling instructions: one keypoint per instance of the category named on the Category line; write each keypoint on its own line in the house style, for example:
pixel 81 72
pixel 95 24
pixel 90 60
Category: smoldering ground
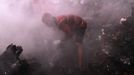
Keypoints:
pixel 20 23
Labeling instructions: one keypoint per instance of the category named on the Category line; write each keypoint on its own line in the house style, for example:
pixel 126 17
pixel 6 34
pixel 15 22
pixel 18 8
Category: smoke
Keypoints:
pixel 21 25
pixel 20 22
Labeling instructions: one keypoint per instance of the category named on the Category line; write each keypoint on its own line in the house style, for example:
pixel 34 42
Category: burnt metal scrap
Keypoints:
pixel 12 63
pixel 9 59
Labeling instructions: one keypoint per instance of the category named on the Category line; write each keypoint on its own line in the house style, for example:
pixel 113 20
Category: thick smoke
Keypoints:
pixel 20 22
pixel 21 25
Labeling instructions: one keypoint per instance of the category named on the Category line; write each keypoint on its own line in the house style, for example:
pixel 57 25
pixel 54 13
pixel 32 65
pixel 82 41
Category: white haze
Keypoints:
pixel 20 22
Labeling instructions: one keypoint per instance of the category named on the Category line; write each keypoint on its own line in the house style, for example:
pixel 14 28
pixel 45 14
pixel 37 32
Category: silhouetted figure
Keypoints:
pixel 74 28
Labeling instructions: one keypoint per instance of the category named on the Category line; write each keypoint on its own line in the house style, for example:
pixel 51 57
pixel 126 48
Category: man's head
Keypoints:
pixel 48 19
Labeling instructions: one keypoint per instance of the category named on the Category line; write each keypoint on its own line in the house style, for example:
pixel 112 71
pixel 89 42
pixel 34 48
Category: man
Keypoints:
pixel 74 28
